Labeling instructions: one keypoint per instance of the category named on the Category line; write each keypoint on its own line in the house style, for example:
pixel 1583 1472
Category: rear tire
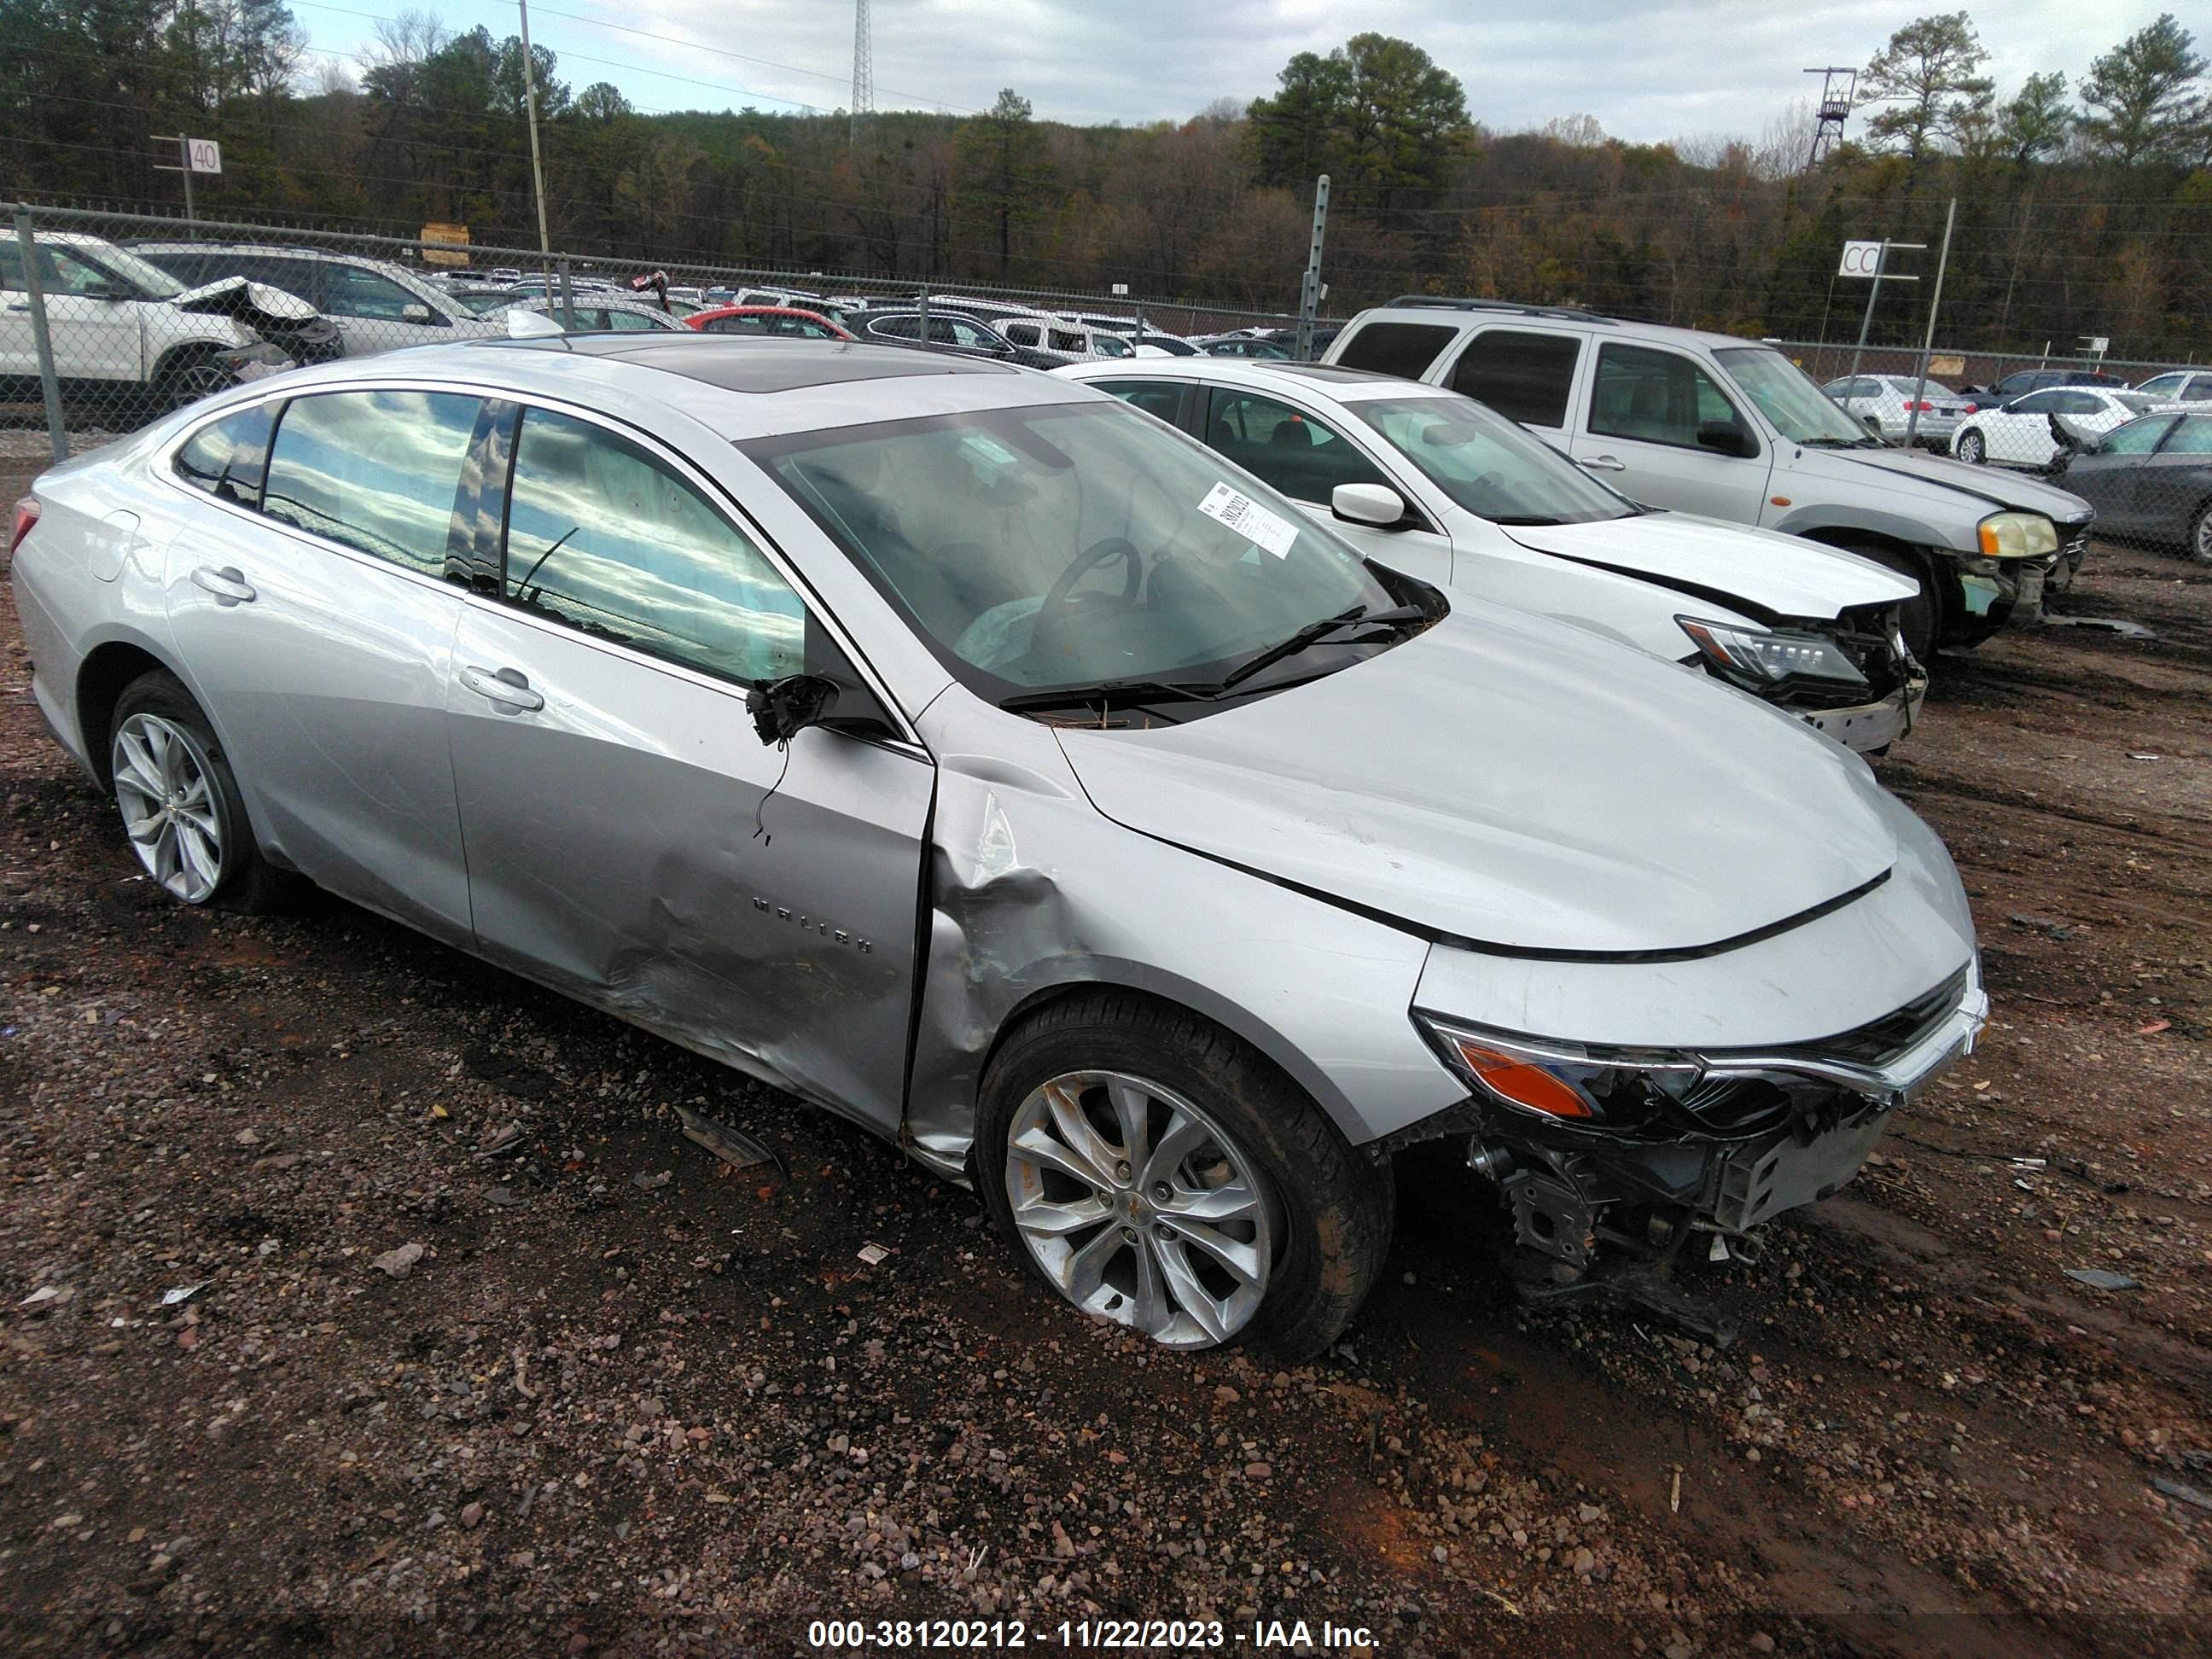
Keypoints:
pixel 181 805
pixel 1172 1121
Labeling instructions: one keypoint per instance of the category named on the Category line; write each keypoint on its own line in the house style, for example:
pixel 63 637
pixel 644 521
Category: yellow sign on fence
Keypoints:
pixel 456 235
pixel 1951 365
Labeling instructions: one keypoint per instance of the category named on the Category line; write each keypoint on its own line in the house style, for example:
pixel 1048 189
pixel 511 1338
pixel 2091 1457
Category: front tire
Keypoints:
pixel 2200 535
pixel 1919 619
pixel 1158 1172
pixel 1972 449
pixel 181 805
pixel 186 377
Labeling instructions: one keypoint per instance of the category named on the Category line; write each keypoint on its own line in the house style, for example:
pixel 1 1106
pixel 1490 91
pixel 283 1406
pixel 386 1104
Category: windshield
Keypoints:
pixel 1489 465
pixel 1800 411
pixel 2134 402
pixel 1064 546
pixel 156 283
pixel 480 303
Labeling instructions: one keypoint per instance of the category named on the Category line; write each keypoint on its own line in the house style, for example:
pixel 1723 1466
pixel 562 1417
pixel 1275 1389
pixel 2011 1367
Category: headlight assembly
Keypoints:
pixel 2018 535
pixel 263 357
pixel 1767 658
pixel 1562 1081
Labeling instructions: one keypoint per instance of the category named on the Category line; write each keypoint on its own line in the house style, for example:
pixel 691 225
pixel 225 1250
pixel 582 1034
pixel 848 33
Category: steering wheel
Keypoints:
pixel 1058 606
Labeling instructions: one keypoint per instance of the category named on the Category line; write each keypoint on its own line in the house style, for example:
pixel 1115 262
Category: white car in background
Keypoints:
pixel 599 313
pixel 2180 386
pixel 377 306
pixel 1884 403
pixel 127 337
pixel 1434 484
pixel 1043 333
pixel 2019 434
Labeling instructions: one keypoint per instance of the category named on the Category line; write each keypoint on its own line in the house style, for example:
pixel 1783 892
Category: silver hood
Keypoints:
pixel 1783 575
pixel 1997 485
pixel 1510 782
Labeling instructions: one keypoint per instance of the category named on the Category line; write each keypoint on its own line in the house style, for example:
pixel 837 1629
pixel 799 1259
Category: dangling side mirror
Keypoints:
pixel 782 709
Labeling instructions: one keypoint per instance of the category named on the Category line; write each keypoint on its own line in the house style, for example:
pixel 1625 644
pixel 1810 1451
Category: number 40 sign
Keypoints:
pixel 203 156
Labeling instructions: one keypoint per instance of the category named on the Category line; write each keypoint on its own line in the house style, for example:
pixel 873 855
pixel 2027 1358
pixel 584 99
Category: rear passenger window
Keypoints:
pixel 1524 377
pixel 1405 350
pixel 605 537
pixel 1285 446
pixel 375 470
pixel 229 458
pixel 1160 398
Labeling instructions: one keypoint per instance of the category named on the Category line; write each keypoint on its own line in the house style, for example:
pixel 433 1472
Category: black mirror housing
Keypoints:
pixel 782 709
pixel 1725 436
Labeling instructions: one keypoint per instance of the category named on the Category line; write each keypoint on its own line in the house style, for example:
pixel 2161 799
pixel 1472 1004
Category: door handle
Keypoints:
pixel 1603 463
pixel 510 686
pixel 229 585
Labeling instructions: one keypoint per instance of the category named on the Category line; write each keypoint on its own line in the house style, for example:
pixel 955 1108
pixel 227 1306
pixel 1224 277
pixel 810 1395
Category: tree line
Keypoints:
pixel 2084 205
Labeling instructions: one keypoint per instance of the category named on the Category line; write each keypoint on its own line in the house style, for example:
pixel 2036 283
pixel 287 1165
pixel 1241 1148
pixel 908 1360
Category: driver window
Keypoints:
pixel 349 291
pixel 2195 437
pixel 1297 454
pixel 1654 397
pixel 605 537
pixel 60 273
pixel 2137 438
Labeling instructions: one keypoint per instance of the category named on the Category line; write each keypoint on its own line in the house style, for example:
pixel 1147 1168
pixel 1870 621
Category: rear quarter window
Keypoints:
pixel 1405 350
pixel 1524 376
pixel 228 459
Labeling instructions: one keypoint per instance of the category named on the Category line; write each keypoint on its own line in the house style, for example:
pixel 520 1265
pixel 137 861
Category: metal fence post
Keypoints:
pixel 1928 341
pixel 43 340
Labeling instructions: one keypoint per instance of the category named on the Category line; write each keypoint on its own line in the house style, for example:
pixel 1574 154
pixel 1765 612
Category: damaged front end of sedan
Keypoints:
pixel 1852 677
pixel 1611 1161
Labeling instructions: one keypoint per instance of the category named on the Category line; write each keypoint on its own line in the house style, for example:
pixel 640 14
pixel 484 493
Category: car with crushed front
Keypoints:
pixel 974 756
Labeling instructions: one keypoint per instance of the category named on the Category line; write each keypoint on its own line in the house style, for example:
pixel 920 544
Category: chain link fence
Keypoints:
pixel 2133 439
pixel 108 320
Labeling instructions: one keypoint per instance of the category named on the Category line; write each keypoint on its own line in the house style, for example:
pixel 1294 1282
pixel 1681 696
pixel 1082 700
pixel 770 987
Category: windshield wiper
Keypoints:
pixel 1526 519
pixel 1108 692
pixel 1312 633
pixel 1839 443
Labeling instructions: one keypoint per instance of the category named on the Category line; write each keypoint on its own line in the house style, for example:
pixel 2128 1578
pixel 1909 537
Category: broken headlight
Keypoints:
pixel 1768 658
pixel 1562 1081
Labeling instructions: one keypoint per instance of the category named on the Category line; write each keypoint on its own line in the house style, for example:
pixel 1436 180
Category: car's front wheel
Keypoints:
pixel 181 805
pixel 2200 535
pixel 1159 1173
pixel 1970 448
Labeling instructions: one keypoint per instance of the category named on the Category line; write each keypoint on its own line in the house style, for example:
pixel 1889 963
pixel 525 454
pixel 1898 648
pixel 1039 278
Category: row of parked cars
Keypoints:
pixel 1163 793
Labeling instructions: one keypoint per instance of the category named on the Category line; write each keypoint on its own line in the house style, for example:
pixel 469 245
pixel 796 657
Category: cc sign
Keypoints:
pixel 1861 259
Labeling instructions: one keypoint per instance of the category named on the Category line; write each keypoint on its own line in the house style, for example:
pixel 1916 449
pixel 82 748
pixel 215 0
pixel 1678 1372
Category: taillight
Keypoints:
pixel 1925 408
pixel 1968 409
pixel 26 514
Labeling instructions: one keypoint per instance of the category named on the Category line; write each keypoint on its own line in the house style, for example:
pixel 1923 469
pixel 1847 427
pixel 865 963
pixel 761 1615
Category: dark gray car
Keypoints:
pixel 2151 480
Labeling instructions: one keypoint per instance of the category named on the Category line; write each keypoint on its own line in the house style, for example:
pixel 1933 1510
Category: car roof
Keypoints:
pixel 740 387
pixel 1262 374
pixel 1454 313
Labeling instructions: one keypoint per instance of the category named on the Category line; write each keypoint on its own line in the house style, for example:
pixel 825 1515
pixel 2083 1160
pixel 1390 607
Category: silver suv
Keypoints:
pixel 1733 429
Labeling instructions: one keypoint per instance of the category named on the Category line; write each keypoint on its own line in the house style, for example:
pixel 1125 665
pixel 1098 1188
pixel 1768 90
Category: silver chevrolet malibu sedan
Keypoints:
pixel 970 755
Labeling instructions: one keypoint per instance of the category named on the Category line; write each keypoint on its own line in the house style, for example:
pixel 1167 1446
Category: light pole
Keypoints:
pixel 537 163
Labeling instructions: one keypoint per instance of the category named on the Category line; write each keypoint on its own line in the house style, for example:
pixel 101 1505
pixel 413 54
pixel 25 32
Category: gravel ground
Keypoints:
pixel 355 1296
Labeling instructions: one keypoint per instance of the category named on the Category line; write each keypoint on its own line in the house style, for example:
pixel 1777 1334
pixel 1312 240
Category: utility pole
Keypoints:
pixel 536 162
pixel 1309 290
pixel 1928 341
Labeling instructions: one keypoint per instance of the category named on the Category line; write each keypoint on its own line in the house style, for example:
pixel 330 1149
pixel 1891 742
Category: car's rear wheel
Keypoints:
pixel 1158 1172
pixel 181 805
pixel 1970 448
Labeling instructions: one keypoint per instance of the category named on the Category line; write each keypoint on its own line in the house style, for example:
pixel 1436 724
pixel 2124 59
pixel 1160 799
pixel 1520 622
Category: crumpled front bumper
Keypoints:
pixel 1868 726
pixel 1572 1189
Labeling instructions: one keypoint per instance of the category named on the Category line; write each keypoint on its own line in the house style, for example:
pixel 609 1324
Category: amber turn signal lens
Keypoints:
pixel 1512 1079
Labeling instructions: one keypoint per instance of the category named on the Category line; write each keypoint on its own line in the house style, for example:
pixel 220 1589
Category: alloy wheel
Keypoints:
pixel 192 381
pixel 164 790
pixel 1140 1208
pixel 1970 449
pixel 2200 544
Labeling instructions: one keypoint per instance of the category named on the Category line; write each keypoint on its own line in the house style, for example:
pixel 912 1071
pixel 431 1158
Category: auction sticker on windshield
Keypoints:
pixel 1250 520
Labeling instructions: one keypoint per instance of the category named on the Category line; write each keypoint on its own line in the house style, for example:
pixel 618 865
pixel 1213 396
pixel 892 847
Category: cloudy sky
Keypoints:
pixel 1646 70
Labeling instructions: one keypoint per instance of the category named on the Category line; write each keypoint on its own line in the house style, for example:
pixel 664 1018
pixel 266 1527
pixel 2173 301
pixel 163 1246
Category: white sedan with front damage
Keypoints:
pixel 976 757
pixel 1445 489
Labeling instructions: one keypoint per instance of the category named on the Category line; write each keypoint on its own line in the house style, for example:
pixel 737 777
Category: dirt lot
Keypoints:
pixel 624 1402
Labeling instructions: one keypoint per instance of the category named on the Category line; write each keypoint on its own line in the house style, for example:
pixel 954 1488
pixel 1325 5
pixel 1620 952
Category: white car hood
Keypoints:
pixel 1782 575
pixel 218 296
pixel 1507 781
